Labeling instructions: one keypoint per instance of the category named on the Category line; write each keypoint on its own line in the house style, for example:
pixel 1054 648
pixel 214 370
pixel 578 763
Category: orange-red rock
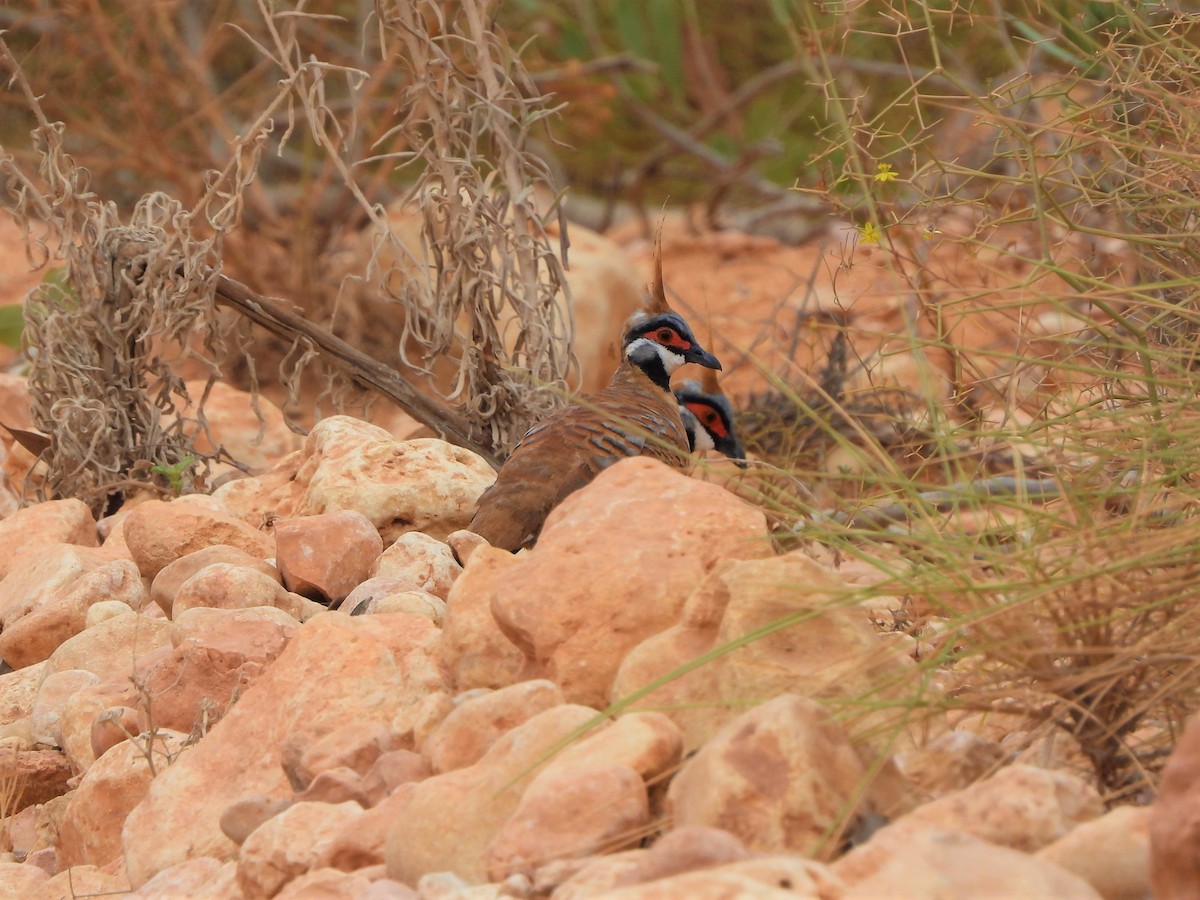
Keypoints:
pixel 335 670
pixel 778 778
pixel 1175 821
pixel 53 522
pixel 324 557
pixel 613 566
pixel 473 649
pixel 477 722
pixel 166 583
pixel 60 613
pixel 159 532
pixel 473 803
pixel 289 844
pixel 570 813
pixel 829 650
pixel 55 690
pixel 216 655
pixel 1021 807
pixel 933 864
pixel 90 832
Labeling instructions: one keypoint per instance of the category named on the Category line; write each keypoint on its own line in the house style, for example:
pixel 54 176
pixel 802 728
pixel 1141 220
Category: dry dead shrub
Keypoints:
pixel 481 291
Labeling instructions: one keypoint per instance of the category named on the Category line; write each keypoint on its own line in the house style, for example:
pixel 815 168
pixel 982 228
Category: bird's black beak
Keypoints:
pixel 732 448
pixel 700 356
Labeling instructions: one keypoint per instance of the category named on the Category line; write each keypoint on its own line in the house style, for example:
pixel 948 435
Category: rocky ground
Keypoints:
pixel 292 688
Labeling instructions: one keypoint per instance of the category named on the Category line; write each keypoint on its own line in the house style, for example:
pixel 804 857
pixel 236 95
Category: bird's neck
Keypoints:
pixel 645 357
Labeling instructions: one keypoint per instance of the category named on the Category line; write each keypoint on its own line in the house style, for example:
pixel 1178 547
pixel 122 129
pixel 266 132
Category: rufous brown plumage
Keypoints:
pixel 636 415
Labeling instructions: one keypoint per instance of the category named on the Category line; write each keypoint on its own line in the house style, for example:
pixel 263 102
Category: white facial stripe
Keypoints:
pixel 704 440
pixel 670 359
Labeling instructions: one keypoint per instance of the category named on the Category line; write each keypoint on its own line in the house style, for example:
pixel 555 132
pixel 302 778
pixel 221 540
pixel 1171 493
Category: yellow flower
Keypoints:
pixel 885 173
pixel 868 233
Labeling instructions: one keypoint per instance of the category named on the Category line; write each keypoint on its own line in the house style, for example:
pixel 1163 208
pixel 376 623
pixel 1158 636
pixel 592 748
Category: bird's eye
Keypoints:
pixel 665 335
pixel 710 418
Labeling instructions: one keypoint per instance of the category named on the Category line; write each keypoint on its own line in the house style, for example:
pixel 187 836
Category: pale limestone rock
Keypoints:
pixel 324 557
pixel 335 670
pixel 18 881
pixel 90 831
pixel 1175 821
pixel 463 544
pixel 570 813
pixel 17 692
pixel 159 532
pixel 574 613
pixel 104 610
pixel 111 649
pixel 830 651
pixel 216 655
pixel 421 560
pixel 60 611
pixel 1021 807
pixel 201 878
pixel 778 778
pixel 1111 853
pixel 228 586
pixel 46 715
pixel 385 595
pixel 422 485
pixel 473 803
pixel 233 423
pixel 166 583
pixel 473 649
pixel 52 522
pixel 289 844
pixel 934 864
pixel 80 881
pixel 38 578
pixel 81 711
pixel 478 721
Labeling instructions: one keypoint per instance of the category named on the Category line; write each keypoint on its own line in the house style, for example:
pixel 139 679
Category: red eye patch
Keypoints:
pixel 709 418
pixel 669 337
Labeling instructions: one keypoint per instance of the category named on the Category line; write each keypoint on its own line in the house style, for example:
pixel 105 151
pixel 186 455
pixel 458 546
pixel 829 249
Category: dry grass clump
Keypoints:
pixel 1037 481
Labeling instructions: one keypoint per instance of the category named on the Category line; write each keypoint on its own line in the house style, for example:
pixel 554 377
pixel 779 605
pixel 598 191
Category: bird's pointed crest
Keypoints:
pixel 658 294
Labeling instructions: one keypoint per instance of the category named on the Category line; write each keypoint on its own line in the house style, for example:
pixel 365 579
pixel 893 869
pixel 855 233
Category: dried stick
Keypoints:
pixel 279 318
